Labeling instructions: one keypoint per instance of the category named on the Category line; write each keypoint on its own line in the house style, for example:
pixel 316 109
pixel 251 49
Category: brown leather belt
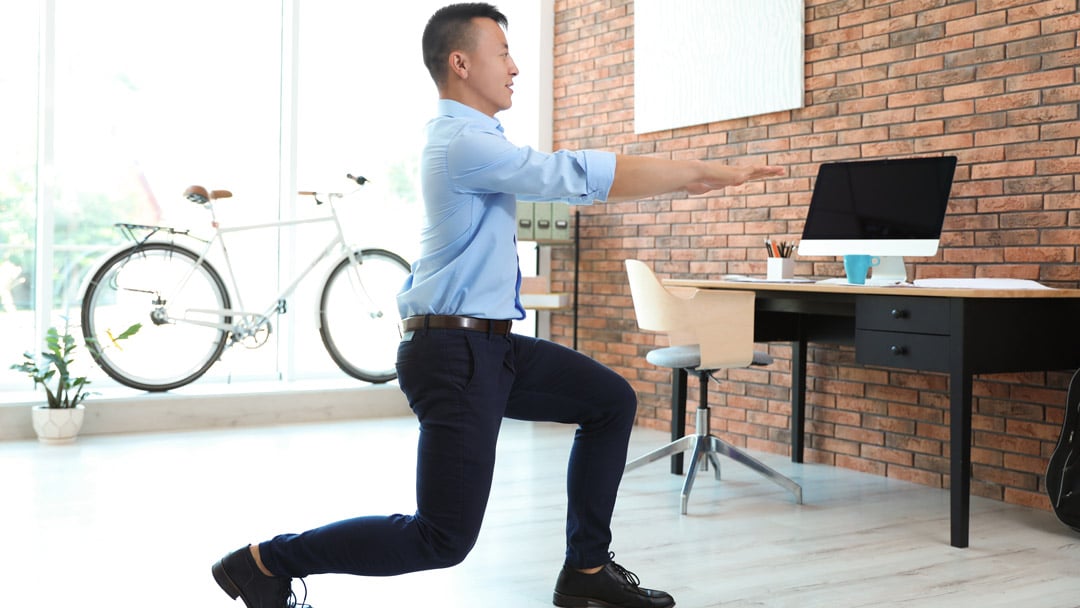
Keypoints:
pixel 501 328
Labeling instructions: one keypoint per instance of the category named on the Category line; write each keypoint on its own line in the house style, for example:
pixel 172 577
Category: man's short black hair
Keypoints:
pixel 448 30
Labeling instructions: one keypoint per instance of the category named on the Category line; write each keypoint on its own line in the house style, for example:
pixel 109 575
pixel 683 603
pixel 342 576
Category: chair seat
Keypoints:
pixel 689 357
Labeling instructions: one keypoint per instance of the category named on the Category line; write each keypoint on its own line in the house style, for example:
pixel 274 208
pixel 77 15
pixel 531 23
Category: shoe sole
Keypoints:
pixel 572 601
pixel 223 580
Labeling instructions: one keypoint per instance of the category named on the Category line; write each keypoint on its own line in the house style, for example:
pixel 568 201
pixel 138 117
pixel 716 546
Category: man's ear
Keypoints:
pixel 459 64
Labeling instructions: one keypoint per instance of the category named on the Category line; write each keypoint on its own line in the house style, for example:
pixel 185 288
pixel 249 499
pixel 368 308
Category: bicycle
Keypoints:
pixel 187 313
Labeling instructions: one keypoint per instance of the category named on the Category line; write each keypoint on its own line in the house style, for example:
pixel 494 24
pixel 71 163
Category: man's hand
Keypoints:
pixel 727 175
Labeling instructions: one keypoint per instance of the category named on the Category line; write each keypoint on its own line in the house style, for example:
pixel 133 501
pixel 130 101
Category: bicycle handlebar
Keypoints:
pixel 359 179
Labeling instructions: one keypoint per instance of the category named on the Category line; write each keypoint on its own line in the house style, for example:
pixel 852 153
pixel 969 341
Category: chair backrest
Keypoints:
pixel 720 322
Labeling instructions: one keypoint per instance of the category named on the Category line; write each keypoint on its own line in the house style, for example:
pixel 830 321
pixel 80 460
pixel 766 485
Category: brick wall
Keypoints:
pixel 994 82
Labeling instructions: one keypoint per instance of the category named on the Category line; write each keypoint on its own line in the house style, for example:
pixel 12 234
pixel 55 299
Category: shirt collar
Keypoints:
pixel 456 109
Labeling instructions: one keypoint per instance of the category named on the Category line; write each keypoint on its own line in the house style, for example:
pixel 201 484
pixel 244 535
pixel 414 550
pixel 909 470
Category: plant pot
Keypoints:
pixel 57 425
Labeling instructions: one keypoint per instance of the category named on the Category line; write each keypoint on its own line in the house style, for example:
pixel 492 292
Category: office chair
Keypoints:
pixel 708 331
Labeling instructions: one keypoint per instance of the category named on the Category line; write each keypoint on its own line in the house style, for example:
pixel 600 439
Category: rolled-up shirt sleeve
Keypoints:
pixel 483 161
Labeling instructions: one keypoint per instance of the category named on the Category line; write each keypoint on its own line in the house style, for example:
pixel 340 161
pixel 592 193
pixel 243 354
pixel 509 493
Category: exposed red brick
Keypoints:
pixel 992 81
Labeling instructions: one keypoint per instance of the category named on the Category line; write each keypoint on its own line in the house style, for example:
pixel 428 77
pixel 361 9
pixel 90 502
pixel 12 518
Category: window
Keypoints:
pixel 18 180
pixel 140 100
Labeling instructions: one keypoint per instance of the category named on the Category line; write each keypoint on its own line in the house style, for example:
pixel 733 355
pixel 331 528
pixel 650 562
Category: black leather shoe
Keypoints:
pixel 611 587
pixel 239 576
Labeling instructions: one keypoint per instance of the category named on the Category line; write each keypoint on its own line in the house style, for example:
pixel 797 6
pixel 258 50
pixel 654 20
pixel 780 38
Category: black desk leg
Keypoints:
pixel 678 415
pixel 798 399
pixel 960 456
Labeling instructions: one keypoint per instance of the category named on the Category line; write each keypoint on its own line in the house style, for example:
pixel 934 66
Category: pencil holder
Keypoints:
pixel 780 269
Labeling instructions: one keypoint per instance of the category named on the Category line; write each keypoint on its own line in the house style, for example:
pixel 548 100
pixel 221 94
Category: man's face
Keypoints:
pixel 491 71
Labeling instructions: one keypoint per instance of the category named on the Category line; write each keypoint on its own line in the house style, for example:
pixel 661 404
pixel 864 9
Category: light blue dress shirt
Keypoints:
pixel 472 178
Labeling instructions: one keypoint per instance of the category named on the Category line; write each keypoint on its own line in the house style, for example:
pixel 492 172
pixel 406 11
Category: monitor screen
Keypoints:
pixel 878 207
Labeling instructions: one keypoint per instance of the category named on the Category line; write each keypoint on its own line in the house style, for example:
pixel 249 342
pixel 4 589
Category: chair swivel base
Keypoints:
pixel 703 449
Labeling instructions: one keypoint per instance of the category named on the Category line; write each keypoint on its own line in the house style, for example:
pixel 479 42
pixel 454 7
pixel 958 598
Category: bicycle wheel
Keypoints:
pixel 358 315
pixel 180 304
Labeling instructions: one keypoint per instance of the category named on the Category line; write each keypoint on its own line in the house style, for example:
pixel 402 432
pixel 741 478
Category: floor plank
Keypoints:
pixel 137 519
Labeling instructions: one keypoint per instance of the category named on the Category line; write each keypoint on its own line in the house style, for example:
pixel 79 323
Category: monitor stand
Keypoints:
pixel 890 271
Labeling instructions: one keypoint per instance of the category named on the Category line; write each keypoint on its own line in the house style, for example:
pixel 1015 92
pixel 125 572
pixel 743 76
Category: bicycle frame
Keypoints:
pixel 246 323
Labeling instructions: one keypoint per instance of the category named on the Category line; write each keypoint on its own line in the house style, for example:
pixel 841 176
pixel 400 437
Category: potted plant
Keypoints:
pixel 60 420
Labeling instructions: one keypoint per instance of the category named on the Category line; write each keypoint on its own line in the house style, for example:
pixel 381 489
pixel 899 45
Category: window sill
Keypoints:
pixel 211 405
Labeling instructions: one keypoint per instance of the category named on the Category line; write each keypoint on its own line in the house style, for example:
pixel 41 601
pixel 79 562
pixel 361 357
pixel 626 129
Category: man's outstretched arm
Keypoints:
pixel 643 176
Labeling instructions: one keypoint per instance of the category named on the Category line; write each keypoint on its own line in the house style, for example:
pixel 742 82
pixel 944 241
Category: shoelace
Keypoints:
pixel 629 576
pixel 290 600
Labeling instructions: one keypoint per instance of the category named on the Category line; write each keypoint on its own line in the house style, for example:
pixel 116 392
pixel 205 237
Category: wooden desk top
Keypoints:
pixel 900 290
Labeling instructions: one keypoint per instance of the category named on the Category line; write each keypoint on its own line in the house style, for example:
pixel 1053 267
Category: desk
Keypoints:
pixel 961 332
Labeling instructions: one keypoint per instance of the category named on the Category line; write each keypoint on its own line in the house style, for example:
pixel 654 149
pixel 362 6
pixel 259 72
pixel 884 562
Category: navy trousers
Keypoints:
pixel 461 384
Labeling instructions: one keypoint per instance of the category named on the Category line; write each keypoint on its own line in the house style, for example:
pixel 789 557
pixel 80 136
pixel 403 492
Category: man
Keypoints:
pixel 459 365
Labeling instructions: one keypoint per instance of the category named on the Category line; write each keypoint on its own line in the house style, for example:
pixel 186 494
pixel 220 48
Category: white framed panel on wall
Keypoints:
pixel 702 61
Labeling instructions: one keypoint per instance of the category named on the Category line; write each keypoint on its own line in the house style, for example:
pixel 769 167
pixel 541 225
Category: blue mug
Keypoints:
pixel 856 267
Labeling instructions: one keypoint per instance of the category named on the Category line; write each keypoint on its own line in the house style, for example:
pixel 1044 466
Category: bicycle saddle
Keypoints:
pixel 198 194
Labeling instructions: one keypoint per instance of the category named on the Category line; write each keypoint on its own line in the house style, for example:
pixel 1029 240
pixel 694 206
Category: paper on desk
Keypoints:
pixel 742 278
pixel 988 283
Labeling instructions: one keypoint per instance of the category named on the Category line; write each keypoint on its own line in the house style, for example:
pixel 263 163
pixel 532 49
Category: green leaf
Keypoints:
pixel 54 401
pixel 131 331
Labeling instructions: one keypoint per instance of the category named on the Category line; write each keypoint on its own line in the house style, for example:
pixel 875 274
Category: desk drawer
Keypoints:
pixel 900 349
pixel 910 314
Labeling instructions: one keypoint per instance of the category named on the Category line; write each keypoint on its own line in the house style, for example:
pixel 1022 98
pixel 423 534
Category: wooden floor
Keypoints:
pixel 136 521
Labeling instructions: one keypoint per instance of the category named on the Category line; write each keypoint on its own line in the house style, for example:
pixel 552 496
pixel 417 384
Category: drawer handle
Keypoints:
pixel 898 313
pixel 898 350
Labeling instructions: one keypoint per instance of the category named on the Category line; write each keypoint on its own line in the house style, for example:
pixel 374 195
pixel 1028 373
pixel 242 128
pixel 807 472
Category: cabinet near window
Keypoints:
pixel 548 225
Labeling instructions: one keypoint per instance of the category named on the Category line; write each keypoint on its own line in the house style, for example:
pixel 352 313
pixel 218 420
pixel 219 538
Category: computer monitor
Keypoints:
pixel 888 208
